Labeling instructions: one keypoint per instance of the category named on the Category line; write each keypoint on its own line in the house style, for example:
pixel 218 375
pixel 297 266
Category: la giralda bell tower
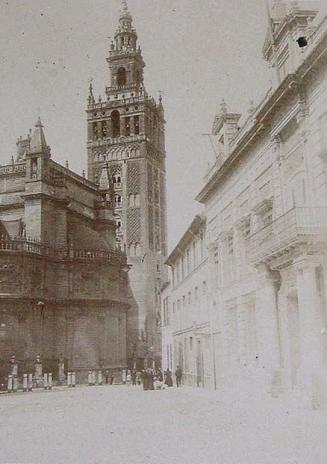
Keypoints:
pixel 126 137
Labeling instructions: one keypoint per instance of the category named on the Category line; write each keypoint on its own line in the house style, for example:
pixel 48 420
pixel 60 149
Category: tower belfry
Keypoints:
pixel 126 133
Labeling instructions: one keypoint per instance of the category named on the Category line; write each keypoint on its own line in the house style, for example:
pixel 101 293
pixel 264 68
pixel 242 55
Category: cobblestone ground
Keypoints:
pixel 121 425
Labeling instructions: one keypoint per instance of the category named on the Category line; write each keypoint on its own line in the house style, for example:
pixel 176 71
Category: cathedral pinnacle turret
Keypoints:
pixel 38 143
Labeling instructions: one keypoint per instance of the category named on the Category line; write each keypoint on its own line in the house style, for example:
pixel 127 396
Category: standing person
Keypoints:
pixel 112 378
pixel 133 377
pixel 145 380
pixel 168 378
pixel 124 375
pixel 150 374
pixel 128 377
pixel 178 374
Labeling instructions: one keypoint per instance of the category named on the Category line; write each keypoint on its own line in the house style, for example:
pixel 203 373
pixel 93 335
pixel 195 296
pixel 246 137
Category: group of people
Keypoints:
pixel 169 377
pixel 152 378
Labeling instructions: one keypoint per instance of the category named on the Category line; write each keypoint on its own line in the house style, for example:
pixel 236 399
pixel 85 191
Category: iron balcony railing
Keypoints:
pixel 31 246
pixel 298 225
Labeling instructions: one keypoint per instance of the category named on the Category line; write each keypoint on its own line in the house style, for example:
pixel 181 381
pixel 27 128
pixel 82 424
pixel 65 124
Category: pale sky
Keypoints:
pixel 196 53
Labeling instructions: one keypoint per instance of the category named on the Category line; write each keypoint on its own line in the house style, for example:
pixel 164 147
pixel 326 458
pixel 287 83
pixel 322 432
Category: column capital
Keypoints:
pixel 305 263
pixel 266 274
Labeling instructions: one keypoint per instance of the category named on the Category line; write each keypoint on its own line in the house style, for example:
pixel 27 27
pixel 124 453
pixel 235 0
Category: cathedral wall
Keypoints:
pixel 87 336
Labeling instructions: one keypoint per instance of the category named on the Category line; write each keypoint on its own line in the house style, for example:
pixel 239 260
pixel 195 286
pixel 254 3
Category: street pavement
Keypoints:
pixel 121 424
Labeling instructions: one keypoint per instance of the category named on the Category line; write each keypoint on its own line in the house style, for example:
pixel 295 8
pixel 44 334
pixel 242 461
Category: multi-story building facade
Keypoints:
pixel 266 208
pixel 185 309
pixel 63 283
pixel 126 132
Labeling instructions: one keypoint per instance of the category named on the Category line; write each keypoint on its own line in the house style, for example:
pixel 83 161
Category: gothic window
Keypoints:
pixel 115 123
pixel 128 126
pixel 95 130
pixel 136 125
pixel 121 76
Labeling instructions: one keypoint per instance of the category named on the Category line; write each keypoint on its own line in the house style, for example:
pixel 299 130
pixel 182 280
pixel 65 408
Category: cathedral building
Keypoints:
pixel 126 133
pixel 63 283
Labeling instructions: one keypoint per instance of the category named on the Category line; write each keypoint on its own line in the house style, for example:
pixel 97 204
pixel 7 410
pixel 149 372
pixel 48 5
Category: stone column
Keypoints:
pixel 312 373
pixel 267 319
pixel 242 323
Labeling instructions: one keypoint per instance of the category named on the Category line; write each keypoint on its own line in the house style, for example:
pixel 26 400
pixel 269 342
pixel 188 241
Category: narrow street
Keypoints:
pixel 120 425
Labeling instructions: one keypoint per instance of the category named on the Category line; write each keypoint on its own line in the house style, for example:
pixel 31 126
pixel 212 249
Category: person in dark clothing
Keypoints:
pixel 178 374
pixel 168 378
pixel 112 378
pixel 133 377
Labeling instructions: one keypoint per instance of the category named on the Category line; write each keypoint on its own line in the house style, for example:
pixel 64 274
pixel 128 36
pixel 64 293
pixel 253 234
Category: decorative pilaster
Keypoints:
pixel 267 319
pixel 312 375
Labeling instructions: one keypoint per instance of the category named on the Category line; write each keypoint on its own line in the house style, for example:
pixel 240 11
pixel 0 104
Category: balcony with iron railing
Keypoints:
pixel 297 226
pixel 37 248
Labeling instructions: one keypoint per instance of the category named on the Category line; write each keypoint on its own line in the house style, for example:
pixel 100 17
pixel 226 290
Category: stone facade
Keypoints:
pixel 266 207
pixel 62 280
pixel 265 202
pixel 126 133
pixel 185 319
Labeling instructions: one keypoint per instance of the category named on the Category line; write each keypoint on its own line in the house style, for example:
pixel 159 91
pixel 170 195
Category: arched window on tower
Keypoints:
pixel 118 201
pixel 136 125
pixel 115 123
pixel 121 76
pixel 117 180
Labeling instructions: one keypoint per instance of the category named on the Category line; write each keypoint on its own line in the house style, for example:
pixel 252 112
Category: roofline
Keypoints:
pixel 263 116
pixel 198 222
